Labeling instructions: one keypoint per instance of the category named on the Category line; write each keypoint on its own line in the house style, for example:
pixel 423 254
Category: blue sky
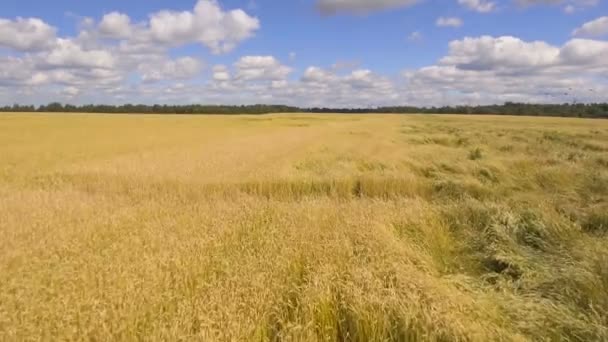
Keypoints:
pixel 304 52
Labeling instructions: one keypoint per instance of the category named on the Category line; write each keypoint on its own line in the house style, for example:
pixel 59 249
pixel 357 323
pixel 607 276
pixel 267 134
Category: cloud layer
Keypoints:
pixel 116 60
pixel 360 6
pixel 594 28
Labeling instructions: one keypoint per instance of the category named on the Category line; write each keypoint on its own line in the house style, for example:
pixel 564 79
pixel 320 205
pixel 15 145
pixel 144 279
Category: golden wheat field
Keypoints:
pixel 303 228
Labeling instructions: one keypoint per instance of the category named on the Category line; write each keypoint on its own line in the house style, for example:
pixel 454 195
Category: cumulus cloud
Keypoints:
pixel 513 55
pixel 208 24
pixel 360 6
pixel 496 69
pixel 318 76
pixel 115 25
pixel 328 87
pixel 475 70
pixel 597 27
pixel 68 54
pixel 55 70
pixel 221 73
pixel 449 22
pixel 584 52
pixel 556 2
pixel 180 68
pixel 26 34
pixel 538 2
pixel 316 86
pixel 251 68
pixel 486 52
pixel 117 60
pixel 570 6
pixel 107 58
pixel 16 71
pixel 482 6
pixel 70 92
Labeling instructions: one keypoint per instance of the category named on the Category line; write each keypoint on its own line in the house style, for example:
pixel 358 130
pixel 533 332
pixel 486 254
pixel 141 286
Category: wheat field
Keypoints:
pixel 303 228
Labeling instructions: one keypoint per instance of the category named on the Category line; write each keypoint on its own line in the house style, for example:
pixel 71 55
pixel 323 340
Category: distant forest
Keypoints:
pixel 594 110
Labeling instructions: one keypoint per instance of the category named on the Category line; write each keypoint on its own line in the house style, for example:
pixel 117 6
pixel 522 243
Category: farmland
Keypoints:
pixel 303 228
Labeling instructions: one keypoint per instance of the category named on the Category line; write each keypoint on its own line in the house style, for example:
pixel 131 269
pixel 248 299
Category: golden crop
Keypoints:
pixel 303 228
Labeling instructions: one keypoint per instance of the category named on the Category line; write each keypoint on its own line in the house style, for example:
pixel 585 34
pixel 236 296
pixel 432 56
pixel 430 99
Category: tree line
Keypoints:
pixel 590 110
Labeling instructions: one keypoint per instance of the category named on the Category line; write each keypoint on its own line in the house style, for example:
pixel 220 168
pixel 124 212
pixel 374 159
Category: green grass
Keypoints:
pixel 303 228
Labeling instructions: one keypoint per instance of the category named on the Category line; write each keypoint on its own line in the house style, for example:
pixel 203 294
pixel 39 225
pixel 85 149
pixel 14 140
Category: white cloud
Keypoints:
pixel 448 22
pixel 68 54
pixel 367 79
pixel 327 87
pixel 496 69
pixel 317 86
pixel 26 34
pixel 360 6
pixel 415 36
pixel 279 84
pixel 507 52
pixel 48 69
pixel 250 68
pixel 70 92
pixel 318 76
pixel 17 71
pixel 208 24
pixel 180 68
pixel 597 27
pixel 117 60
pixel 514 56
pixel 115 25
pixel 361 87
pixel 538 2
pixel 221 73
pixel 570 6
pixel 557 2
pixel 585 53
pixel 475 70
pixel 482 6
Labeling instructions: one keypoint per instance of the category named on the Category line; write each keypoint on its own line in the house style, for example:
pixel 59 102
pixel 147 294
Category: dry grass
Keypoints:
pixel 303 228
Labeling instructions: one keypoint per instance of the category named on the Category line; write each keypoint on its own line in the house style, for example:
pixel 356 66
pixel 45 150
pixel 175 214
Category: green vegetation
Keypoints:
pixel 303 228
pixel 593 110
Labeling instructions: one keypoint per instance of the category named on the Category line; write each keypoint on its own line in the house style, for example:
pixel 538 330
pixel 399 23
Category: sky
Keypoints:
pixel 334 53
